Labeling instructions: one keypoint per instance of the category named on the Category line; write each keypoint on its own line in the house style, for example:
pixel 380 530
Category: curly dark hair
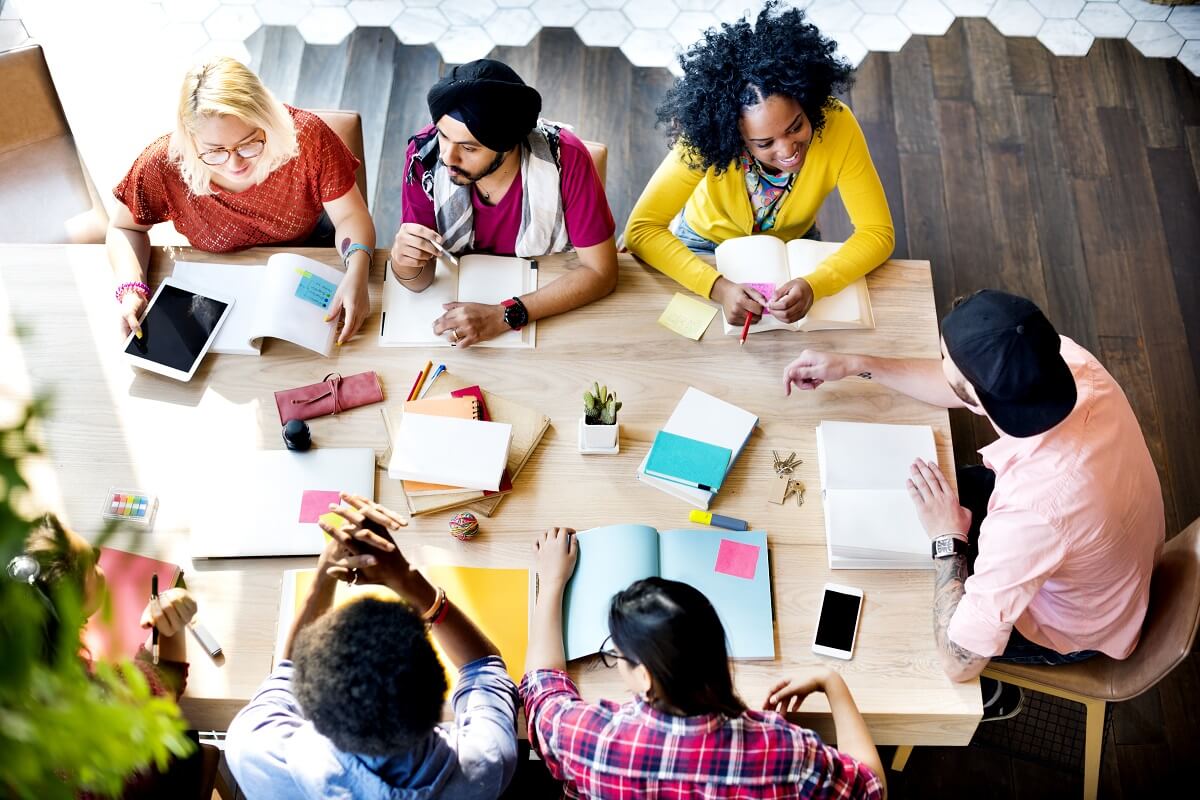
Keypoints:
pixel 740 65
pixel 368 678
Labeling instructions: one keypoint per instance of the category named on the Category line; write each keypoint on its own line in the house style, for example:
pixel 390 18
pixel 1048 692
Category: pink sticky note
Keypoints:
pixel 737 559
pixel 314 503
pixel 767 290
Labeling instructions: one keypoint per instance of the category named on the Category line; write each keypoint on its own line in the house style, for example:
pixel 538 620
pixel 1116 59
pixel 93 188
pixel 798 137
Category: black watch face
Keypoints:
pixel 516 316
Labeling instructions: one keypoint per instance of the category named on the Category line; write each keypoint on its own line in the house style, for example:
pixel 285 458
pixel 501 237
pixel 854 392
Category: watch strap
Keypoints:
pixel 958 546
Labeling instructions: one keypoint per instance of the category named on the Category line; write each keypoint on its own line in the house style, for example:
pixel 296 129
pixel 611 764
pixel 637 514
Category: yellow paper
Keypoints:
pixel 497 600
pixel 687 316
pixel 332 520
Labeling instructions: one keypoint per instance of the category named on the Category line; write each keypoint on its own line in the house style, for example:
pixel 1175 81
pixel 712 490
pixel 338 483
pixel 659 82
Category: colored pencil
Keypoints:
pixel 413 390
pixel 421 380
pixel 745 329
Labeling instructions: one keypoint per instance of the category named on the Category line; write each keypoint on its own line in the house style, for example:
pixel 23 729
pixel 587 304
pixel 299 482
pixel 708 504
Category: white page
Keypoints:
pixel 861 455
pixel 492 279
pixel 457 452
pixel 846 308
pixel 284 315
pixel 753 259
pixel 881 521
pixel 408 316
pixel 242 282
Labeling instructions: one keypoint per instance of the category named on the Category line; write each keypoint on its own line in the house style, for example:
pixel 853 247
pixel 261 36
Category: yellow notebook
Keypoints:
pixel 497 600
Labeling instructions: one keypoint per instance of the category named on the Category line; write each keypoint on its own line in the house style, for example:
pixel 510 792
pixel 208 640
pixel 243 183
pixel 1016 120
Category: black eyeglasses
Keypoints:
pixel 609 655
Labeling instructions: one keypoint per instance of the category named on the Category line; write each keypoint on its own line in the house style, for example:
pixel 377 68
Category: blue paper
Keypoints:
pixel 688 461
pixel 315 289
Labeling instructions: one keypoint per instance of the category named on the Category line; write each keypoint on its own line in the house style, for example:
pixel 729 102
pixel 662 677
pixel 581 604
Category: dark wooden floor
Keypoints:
pixel 1073 181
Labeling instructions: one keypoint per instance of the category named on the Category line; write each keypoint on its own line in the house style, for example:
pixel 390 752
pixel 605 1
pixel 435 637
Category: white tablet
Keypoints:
pixel 178 327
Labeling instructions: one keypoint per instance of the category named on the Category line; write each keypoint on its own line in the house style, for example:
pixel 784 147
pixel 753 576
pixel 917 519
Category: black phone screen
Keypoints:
pixel 839 616
pixel 176 328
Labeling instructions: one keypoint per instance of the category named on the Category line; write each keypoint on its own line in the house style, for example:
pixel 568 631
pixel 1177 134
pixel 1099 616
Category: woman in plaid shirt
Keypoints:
pixel 686 733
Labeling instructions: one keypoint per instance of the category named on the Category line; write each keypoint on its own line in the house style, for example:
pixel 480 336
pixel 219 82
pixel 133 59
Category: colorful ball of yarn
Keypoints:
pixel 464 526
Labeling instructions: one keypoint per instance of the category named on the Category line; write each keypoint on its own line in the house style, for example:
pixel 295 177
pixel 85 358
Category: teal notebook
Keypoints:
pixel 729 567
pixel 688 461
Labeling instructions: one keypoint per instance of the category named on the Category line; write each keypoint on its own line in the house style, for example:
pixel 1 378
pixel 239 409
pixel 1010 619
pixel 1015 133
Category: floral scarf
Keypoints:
pixel 766 191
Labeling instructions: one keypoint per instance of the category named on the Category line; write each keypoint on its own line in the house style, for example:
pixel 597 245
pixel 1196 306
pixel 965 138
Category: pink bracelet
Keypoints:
pixel 133 286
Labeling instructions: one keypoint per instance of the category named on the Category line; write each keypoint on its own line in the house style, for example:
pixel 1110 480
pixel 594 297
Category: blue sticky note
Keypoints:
pixel 688 461
pixel 315 289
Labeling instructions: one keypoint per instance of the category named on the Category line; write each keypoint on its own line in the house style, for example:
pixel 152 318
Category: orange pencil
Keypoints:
pixel 421 380
pixel 411 391
pixel 745 329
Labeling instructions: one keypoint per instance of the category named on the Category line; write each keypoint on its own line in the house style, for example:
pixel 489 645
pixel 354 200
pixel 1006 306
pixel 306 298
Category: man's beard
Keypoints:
pixel 462 178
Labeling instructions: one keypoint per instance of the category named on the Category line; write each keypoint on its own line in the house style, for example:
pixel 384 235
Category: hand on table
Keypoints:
pixel 352 298
pixel 413 250
pixel 791 301
pixel 170 613
pixel 737 300
pixel 788 695
pixel 132 306
pixel 555 553
pixel 813 368
pixel 937 504
pixel 471 323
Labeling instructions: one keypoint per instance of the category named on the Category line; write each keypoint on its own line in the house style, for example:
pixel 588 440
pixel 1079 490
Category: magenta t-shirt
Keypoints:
pixel 586 213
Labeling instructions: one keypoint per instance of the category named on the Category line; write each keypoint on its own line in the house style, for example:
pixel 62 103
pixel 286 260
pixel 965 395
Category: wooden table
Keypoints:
pixel 112 425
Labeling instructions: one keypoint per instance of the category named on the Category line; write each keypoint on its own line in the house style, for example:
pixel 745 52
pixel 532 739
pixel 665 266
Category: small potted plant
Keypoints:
pixel 598 430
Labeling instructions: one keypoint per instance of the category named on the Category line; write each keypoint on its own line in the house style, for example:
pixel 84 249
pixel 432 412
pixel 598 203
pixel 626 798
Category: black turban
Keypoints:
pixel 490 99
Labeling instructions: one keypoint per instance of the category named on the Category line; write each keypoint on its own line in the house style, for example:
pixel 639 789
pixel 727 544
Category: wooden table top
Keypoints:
pixel 114 426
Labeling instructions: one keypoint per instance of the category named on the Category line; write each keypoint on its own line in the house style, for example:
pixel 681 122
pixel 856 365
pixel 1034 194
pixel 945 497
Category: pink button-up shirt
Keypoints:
pixel 1073 530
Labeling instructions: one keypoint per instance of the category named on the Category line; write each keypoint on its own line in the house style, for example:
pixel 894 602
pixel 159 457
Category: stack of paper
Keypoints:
pixel 704 418
pixel 870 521
pixel 447 450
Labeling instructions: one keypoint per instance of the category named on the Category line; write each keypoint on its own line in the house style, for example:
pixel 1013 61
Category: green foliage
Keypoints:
pixel 61 729
pixel 600 406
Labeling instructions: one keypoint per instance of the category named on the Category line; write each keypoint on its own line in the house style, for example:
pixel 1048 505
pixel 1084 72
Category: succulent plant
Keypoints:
pixel 600 406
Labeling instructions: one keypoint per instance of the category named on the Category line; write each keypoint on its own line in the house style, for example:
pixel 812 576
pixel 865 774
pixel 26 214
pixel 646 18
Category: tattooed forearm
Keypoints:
pixel 950 575
pixel 866 375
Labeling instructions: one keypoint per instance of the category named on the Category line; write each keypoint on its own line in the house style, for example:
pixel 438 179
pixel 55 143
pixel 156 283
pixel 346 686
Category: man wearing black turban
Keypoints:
pixel 490 176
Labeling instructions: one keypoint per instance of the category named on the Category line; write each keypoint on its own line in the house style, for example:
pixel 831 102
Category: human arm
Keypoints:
pixel 850 729
pixel 555 554
pixel 919 378
pixel 352 224
pixel 170 613
pixel 128 247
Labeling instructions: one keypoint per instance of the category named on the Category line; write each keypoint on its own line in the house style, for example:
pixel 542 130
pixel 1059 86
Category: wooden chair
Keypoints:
pixel 1167 639
pixel 46 194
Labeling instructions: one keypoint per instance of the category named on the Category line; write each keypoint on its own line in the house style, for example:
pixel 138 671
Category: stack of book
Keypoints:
pixel 697 447
pixel 870 521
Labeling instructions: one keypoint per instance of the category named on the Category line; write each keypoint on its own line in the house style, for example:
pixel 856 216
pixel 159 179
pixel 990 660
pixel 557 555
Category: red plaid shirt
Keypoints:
pixel 613 751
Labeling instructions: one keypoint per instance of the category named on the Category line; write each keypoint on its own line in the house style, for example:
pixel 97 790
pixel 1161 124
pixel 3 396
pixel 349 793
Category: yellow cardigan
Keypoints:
pixel 718 208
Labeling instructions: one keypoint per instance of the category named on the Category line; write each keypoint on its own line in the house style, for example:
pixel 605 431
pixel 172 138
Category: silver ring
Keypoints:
pixel 354 576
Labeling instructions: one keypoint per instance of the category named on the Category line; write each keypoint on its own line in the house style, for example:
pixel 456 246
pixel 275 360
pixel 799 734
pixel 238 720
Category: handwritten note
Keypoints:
pixel 314 289
pixel 737 559
pixel 687 316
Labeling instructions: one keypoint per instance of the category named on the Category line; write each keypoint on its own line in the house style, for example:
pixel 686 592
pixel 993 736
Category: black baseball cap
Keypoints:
pixel 1009 352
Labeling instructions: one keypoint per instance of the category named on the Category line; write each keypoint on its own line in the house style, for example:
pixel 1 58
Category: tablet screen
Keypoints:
pixel 176 328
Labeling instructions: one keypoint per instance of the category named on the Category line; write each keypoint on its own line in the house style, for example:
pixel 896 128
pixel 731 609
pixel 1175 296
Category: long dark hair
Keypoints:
pixel 674 632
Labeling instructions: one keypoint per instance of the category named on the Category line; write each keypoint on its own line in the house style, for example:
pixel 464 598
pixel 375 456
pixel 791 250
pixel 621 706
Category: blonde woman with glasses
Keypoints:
pixel 242 169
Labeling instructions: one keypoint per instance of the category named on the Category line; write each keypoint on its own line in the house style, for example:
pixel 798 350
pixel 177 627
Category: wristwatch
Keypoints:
pixel 516 316
pixel 946 546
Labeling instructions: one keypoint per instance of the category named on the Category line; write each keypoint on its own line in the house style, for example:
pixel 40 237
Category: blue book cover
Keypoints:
pixel 688 461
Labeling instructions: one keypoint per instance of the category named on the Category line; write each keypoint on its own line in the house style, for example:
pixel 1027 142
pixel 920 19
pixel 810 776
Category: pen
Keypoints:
pixel 416 392
pixel 416 383
pixel 444 252
pixel 425 389
pixel 153 627
pixel 206 640
pixel 745 329
pixel 709 518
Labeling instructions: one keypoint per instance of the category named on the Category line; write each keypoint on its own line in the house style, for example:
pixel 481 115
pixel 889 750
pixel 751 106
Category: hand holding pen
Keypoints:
pixel 167 614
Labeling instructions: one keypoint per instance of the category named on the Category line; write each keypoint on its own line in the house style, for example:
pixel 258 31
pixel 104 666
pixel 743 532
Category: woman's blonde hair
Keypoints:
pixel 226 86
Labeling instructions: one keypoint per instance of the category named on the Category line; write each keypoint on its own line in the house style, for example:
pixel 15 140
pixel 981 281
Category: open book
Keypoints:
pixel 408 316
pixel 870 521
pixel 729 567
pixel 287 298
pixel 765 262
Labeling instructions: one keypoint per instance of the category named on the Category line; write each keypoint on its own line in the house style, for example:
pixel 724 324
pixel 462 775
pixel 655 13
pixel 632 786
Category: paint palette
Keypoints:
pixel 130 505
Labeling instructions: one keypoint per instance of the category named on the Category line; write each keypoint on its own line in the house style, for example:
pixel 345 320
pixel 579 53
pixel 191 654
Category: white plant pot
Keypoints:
pixel 599 439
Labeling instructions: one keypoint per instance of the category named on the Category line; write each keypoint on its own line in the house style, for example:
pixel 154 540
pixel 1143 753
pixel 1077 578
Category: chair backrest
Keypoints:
pixel 348 126
pixel 1171 619
pixel 31 110
pixel 599 154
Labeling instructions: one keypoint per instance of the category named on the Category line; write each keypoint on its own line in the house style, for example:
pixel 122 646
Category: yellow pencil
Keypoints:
pixel 416 392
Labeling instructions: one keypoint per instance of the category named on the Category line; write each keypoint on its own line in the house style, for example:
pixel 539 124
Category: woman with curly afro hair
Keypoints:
pixel 758 141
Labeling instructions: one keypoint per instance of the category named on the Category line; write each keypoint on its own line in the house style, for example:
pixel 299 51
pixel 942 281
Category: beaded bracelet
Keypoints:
pixel 437 611
pixel 132 286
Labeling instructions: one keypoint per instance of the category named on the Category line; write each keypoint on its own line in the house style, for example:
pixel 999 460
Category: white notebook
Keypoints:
pixel 408 317
pixel 457 452
pixel 705 418
pixel 870 522
pixel 286 298
pixel 764 259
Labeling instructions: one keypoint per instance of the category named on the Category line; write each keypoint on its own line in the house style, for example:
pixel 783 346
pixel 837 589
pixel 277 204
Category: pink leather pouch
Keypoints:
pixel 331 396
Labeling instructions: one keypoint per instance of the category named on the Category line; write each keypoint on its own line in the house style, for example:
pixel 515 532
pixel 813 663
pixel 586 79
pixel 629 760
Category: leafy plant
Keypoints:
pixel 64 729
pixel 600 406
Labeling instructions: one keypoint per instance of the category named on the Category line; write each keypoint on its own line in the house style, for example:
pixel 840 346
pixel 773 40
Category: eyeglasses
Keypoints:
pixel 218 156
pixel 609 655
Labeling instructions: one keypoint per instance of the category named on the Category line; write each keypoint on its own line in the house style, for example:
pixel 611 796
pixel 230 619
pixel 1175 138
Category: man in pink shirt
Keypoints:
pixel 488 175
pixel 1049 562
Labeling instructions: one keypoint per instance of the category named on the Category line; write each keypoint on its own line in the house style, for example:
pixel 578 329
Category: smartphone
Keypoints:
pixel 837 622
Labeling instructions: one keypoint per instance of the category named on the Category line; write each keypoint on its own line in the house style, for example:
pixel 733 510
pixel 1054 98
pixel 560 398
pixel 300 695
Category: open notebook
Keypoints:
pixel 408 317
pixel 119 636
pixel 497 600
pixel 765 262
pixel 870 521
pixel 287 298
pixel 729 567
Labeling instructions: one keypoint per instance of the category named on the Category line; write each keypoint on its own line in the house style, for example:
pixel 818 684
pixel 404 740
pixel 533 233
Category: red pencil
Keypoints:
pixel 745 329
pixel 414 386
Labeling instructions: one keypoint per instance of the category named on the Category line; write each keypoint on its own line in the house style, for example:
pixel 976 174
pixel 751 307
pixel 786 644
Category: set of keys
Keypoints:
pixel 785 486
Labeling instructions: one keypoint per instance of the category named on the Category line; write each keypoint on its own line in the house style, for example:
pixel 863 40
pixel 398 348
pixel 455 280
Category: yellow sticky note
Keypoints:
pixel 687 316
pixel 332 520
